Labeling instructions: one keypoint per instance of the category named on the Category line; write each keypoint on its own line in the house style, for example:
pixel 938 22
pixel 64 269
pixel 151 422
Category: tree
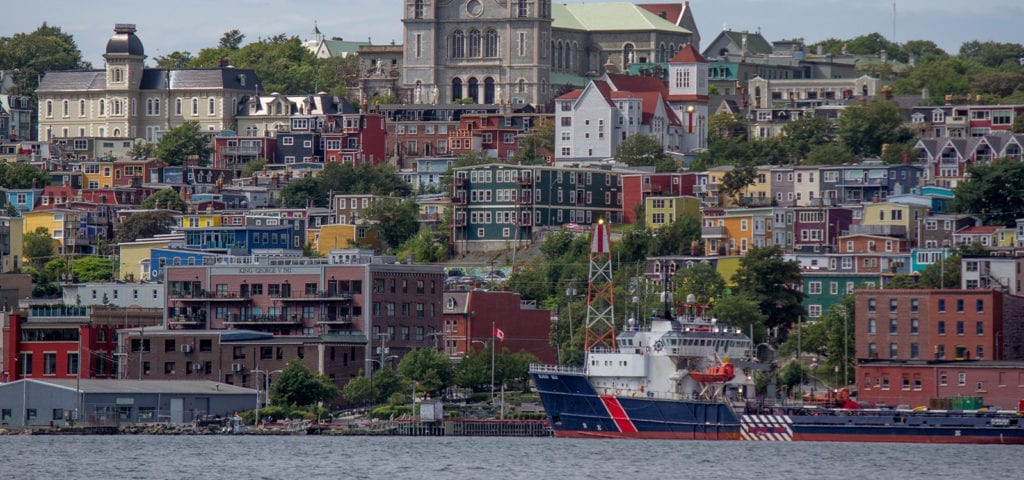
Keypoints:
pixel 303 193
pixel 22 175
pixel 183 143
pixel 358 390
pixel 741 311
pixel 231 40
pixel 941 274
pixel 430 368
pixel 769 279
pixel 991 54
pixel 30 56
pixel 296 385
pixel 726 126
pixel 679 238
pixel 640 150
pixel 141 149
pixel 144 225
pixel 993 193
pixel 39 246
pixel 513 368
pixel 829 154
pixel 175 59
pixel 865 128
pixel 901 281
pixel 701 280
pixel 804 133
pixel 738 179
pixel 997 84
pixel 396 220
pixel 167 199
pixel 1018 124
pixel 896 153
pixel 92 269
pixel 473 370
pixel 532 146
pixel 253 166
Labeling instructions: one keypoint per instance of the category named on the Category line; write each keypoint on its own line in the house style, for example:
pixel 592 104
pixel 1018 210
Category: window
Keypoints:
pixel 913 305
pixel 814 288
pixel 961 379
pixel 979 328
pixel 980 352
pixel 49 363
pixel 915 351
pixel 814 311
pixel 914 326
pixel 980 306
pixel 960 305
pixel 940 327
pixel 960 328
pixel 212 107
pixel 195 107
pixel 893 305
pixel 871 304
pixel 893 324
pixel 942 306
pixel 872 350
pixel 872 325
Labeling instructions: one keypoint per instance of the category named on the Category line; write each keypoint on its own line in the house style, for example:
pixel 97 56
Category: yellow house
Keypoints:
pixel 62 224
pixel 98 174
pixel 14 229
pixel 893 219
pixel 201 220
pixel 734 231
pixel 1006 237
pixel 340 235
pixel 759 193
pixel 662 211
pixel 134 257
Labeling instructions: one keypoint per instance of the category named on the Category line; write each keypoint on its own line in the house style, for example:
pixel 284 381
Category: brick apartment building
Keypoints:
pixel 907 339
pixel 470 316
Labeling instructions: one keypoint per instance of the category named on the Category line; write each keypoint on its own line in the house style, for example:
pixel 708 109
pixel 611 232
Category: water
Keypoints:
pixel 314 457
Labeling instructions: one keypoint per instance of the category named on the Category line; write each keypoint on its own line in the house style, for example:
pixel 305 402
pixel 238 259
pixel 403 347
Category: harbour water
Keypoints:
pixel 314 457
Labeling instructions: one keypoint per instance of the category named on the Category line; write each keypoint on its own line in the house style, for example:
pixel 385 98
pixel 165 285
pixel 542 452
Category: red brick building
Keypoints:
pixel 469 319
pixel 907 339
pixel 355 138
pixel 496 135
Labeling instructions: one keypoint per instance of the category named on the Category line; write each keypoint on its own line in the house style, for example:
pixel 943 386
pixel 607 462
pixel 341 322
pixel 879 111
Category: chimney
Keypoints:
pixel 925 94
pixel 884 55
pixel 949 99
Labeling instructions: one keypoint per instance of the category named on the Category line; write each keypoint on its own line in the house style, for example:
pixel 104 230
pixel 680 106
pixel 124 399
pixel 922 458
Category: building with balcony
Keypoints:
pixel 355 138
pixel 964 120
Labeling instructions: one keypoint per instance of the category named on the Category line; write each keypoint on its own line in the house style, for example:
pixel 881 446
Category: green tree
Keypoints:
pixel 182 143
pixel 701 280
pixel 740 311
pixel 386 383
pixel 93 269
pixel 30 56
pixel 253 166
pixel 534 145
pixel 923 50
pixel 428 246
pixel 358 390
pixel 1018 124
pixel 941 274
pixel 303 193
pixel 992 54
pixel 395 220
pixel 474 369
pixel 175 59
pixel 997 84
pixel 141 149
pixel 640 150
pixel 22 175
pixel 296 385
pixel 430 368
pixel 726 126
pixel 766 277
pixel 863 129
pixel 144 225
pixel 829 154
pixel 895 153
pixel 736 180
pixel 231 40
pixel 901 281
pixel 513 368
pixel 940 77
pixel 680 238
pixel 804 133
pixel 39 247
pixel 167 199
pixel 993 193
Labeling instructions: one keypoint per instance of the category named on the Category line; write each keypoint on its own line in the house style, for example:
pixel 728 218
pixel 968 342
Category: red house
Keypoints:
pixel 496 135
pixel 471 317
pixel 637 187
pixel 233 152
pixel 355 138
pixel 50 342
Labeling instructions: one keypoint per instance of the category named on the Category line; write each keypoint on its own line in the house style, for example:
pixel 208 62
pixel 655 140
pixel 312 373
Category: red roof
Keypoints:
pixel 688 54
pixel 668 11
pixel 979 230
pixel 636 83
pixel 573 95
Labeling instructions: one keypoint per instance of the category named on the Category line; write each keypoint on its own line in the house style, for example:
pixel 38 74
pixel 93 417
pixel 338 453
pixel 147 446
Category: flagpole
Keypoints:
pixel 494 333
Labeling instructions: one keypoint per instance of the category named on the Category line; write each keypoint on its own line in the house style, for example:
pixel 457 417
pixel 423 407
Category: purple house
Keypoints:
pixel 815 229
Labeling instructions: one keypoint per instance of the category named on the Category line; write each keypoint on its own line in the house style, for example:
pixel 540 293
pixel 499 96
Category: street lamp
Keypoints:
pixel 266 389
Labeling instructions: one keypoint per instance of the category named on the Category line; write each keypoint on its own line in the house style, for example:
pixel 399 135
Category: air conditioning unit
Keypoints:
pixel 236 367
pixel 186 348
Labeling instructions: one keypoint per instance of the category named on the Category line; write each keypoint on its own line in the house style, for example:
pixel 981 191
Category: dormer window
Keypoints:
pixel 450 305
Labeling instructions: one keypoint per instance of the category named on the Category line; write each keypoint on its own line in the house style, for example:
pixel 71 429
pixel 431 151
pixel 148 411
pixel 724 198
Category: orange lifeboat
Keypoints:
pixel 717 374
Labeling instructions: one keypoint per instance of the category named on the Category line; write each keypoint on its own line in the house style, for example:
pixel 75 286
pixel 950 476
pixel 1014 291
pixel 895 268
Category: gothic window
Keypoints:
pixel 474 43
pixel 177 107
pixel 558 55
pixel 65 108
pixel 456 89
pixel 212 107
pixel 458 45
pixel 662 57
pixel 491 44
pixel 195 106
pixel 489 90
pixel 474 90
pixel 627 55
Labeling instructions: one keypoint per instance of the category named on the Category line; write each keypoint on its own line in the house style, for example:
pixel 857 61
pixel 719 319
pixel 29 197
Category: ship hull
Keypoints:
pixel 576 410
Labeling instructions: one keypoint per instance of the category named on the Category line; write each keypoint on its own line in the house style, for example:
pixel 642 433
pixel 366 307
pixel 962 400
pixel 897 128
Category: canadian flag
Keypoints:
pixel 500 335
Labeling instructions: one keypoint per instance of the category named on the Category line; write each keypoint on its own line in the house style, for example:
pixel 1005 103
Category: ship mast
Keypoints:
pixel 600 292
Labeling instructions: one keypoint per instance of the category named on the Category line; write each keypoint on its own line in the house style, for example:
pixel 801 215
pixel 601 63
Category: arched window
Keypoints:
pixel 417 9
pixel 117 133
pixel 489 90
pixel 103 107
pixel 49 108
pixel 662 53
pixel 212 106
pixel 456 89
pixel 195 106
pixel 521 86
pixel 65 108
pixel 474 90
pixel 627 54
pixel 156 106
pixel 177 106
pixel 115 107
pixel 474 43
pixel 81 108
pixel 117 75
pixel 553 51
pixel 458 44
pixel 559 54
pixel 491 44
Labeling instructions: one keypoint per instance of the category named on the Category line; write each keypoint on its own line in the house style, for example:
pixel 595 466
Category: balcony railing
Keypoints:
pixel 292 319
pixel 338 319
pixel 210 296
pixel 713 232
pixel 186 320
pixel 321 295
pixel 240 150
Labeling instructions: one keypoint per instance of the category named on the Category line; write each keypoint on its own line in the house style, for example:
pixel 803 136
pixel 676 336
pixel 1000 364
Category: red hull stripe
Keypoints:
pixel 618 414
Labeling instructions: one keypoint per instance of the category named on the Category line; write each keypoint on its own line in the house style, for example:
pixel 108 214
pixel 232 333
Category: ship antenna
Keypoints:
pixel 600 292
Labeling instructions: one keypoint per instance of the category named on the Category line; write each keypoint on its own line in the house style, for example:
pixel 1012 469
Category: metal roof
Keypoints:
pixel 609 16
pixel 226 78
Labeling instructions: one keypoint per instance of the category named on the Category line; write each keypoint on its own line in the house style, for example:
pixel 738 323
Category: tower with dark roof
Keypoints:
pixel 125 59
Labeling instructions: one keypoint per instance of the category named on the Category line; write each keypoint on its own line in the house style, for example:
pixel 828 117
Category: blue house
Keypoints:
pixel 159 258
pixel 23 199
pixel 238 240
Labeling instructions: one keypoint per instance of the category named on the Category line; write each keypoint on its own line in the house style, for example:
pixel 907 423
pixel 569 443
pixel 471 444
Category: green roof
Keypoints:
pixel 559 79
pixel 609 16
pixel 756 43
pixel 343 47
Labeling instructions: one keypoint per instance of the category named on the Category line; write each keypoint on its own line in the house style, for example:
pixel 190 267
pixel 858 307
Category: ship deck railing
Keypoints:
pixel 546 368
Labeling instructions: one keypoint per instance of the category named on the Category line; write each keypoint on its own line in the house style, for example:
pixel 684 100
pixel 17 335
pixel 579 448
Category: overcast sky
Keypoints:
pixel 190 25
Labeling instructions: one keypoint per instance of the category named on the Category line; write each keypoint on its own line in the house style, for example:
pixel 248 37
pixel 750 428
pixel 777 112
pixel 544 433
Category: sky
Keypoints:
pixel 191 25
